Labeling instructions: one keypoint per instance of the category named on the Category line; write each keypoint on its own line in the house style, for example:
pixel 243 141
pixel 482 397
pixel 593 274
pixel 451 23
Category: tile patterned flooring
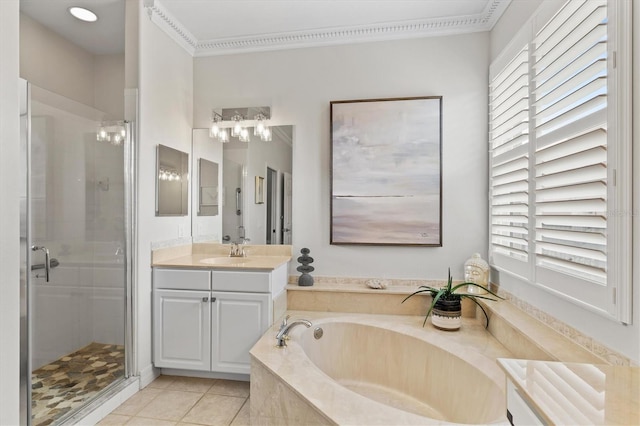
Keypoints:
pixel 70 381
pixel 184 401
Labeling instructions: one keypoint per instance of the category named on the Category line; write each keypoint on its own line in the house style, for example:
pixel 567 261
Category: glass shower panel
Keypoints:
pixel 77 205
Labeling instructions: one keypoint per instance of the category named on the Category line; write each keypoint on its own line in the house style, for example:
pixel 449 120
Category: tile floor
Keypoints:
pixel 171 400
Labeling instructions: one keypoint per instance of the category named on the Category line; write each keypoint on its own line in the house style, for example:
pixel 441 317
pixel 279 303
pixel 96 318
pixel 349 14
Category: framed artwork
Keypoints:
pixel 386 171
pixel 259 193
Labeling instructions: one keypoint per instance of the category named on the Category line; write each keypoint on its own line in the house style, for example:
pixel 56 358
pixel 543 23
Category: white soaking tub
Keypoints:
pixel 377 370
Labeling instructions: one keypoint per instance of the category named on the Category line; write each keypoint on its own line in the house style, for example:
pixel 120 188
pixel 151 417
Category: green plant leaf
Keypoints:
pixel 483 311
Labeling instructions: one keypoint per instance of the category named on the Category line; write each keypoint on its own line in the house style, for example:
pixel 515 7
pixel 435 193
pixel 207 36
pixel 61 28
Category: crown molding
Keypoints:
pixel 160 16
pixel 483 21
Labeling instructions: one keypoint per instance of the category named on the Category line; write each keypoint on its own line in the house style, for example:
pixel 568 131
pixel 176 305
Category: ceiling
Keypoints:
pixel 211 27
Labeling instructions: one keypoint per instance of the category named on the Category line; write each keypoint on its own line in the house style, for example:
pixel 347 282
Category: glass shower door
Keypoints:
pixel 77 241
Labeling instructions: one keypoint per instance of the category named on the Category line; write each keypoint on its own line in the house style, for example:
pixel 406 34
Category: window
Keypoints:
pixel 560 157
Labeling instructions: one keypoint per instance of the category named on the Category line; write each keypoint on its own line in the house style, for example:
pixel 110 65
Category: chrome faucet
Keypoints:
pixel 237 248
pixel 285 328
pixel 236 251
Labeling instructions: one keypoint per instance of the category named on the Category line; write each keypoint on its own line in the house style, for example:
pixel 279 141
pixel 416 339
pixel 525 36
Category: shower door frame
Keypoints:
pixel 130 182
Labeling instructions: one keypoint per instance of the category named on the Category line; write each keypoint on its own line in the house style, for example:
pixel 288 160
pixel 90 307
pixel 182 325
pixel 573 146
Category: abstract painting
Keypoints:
pixel 386 175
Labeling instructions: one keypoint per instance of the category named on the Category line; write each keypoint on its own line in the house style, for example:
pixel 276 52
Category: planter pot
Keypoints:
pixel 447 315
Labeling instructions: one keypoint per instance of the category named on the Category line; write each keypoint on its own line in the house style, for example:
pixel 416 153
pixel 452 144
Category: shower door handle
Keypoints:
pixel 47 260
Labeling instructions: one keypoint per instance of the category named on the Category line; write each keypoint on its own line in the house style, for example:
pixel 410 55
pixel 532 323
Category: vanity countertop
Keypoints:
pixel 208 261
pixel 216 256
pixel 577 393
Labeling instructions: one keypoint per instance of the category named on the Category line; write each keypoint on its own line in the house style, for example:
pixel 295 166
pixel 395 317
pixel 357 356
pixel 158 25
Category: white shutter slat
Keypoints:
pixel 562 16
pixel 590 190
pixel 509 170
pixel 586 110
pixel 567 101
pixel 594 173
pixel 510 198
pixel 570 38
pixel 568 34
pixel 511 142
pixel 565 147
pixel 592 64
pixel 585 223
pixel 516 186
pixel 590 207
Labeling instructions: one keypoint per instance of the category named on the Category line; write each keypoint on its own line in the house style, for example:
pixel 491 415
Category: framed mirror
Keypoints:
pixel 208 198
pixel 255 209
pixel 172 182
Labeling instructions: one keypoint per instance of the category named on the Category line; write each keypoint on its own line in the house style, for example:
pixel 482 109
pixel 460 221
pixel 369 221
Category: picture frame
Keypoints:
pixel 386 171
pixel 259 191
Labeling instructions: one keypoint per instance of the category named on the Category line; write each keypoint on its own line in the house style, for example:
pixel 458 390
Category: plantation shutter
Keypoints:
pixel 570 118
pixel 509 170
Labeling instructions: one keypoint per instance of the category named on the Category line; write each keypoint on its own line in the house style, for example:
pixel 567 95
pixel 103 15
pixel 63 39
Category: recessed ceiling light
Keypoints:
pixel 83 14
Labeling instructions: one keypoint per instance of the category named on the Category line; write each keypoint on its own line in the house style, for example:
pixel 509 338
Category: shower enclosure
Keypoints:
pixel 76 245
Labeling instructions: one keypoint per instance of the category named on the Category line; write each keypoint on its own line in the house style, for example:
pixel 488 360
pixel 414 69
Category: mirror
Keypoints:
pixel 172 182
pixel 207 188
pixel 266 220
pixel 208 167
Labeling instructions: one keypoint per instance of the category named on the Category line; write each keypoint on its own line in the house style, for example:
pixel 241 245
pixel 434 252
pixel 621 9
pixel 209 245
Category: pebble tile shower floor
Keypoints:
pixel 69 382
pixel 172 400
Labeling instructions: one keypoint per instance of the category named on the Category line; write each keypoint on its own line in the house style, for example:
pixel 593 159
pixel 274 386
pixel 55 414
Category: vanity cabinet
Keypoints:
pixel 208 320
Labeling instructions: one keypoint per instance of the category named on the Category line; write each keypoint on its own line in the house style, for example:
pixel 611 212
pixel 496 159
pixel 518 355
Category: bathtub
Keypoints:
pixel 378 370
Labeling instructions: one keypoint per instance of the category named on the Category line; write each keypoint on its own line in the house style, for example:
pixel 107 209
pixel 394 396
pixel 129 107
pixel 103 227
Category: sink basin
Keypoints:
pixel 225 260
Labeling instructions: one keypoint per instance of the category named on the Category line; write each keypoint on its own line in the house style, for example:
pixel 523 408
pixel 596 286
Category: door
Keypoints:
pixel 272 223
pixel 286 208
pixel 238 321
pixel 182 329
pixel 75 237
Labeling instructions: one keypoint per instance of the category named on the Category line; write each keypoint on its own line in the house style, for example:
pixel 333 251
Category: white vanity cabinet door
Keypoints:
pixel 182 329
pixel 238 322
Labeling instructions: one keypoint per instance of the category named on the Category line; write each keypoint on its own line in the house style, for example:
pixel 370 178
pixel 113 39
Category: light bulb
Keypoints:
pixel 223 136
pixel 244 135
pixel 266 134
pixel 102 134
pixel 214 130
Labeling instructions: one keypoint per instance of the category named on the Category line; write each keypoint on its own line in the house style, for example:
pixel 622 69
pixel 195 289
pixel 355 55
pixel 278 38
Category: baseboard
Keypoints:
pixel 205 374
pixel 148 375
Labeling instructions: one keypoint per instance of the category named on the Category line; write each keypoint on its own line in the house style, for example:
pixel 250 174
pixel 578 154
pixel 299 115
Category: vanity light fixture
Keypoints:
pixel 83 14
pixel 168 175
pixel 234 122
pixel 113 132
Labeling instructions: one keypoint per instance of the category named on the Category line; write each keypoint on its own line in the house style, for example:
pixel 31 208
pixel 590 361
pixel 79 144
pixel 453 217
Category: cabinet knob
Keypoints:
pixel 213 299
pixel 205 299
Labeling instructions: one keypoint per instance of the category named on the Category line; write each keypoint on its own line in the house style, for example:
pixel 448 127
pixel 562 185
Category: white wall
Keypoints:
pixel 299 84
pixel 622 338
pixel 9 214
pixel 52 62
pixel 108 89
pixel 166 117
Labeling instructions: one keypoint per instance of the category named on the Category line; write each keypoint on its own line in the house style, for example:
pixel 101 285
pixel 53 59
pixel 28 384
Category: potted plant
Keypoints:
pixel 446 304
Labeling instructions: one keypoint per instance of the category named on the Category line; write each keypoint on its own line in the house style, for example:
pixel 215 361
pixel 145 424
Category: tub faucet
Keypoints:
pixel 285 328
